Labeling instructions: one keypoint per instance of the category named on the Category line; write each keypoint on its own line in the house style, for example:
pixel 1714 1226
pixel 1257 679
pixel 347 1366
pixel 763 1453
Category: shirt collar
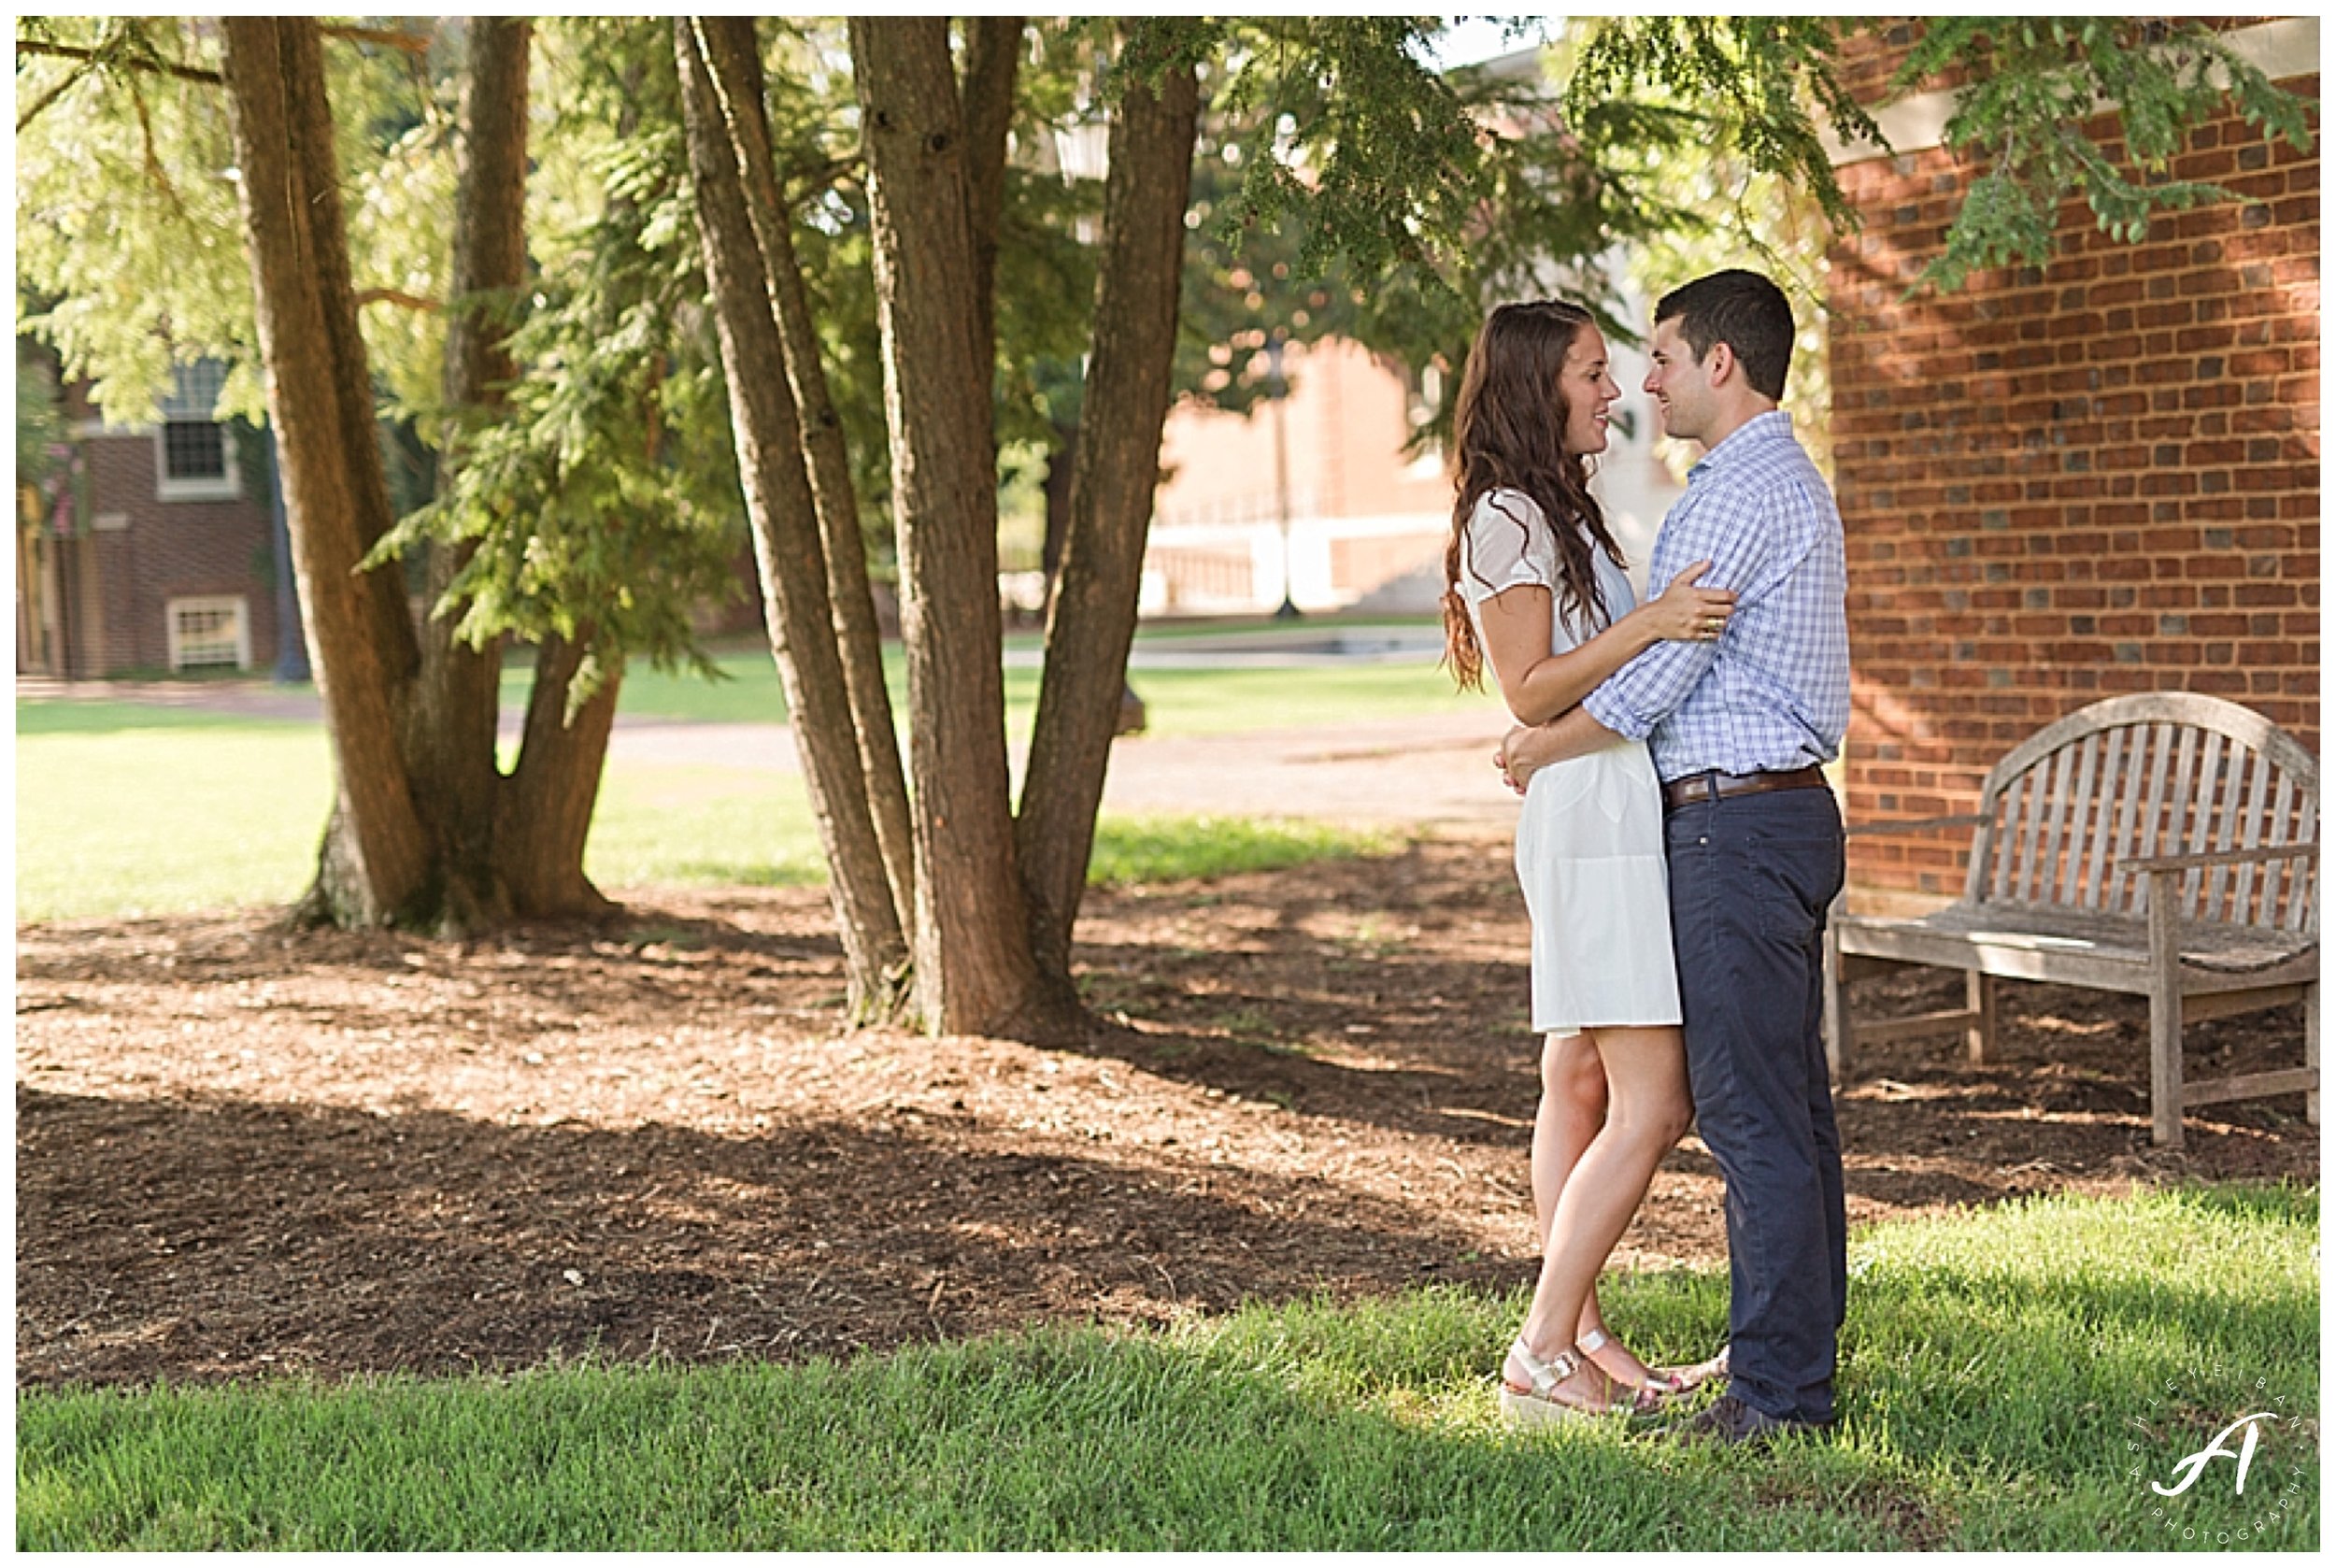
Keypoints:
pixel 1757 431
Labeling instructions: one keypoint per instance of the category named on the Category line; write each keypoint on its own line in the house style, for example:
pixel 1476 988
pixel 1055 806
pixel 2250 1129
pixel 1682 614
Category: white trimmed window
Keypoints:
pixel 209 634
pixel 195 458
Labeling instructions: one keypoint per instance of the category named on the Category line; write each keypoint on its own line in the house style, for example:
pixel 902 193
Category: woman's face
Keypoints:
pixel 1587 391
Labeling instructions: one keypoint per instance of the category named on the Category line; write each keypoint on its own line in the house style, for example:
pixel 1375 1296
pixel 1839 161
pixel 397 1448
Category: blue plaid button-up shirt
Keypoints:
pixel 1773 693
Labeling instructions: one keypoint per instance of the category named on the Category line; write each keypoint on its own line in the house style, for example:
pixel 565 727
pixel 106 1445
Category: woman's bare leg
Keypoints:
pixel 1647 1112
pixel 1573 1108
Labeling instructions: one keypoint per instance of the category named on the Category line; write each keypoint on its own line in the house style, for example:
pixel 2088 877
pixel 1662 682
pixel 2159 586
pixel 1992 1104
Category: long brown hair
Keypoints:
pixel 1509 433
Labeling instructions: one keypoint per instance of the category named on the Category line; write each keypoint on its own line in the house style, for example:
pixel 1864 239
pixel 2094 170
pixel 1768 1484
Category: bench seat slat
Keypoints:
pixel 2077 940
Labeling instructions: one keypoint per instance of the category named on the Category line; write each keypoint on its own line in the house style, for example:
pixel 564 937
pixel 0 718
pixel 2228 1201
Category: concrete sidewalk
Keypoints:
pixel 1431 770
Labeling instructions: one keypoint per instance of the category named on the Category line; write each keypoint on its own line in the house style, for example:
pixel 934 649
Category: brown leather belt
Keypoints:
pixel 1715 785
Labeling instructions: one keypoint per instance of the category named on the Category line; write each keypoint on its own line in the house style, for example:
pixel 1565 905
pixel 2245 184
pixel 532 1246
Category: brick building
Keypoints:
pixel 153 548
pixel 2068 482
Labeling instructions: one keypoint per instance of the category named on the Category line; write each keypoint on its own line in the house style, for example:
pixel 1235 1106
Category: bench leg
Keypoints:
pixel 1979 999
pixel 2165 1070
pixel 2165 1016
pixel 2311 1051
pixel 1836 1011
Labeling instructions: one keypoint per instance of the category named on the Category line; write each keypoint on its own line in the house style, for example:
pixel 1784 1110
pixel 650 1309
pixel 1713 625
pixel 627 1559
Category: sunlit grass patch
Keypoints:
pixel 1995 1368
pixel 126 810
pixel 1176 849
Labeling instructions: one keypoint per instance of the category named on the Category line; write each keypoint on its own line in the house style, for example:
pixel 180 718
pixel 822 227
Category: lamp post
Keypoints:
pixel 1277 391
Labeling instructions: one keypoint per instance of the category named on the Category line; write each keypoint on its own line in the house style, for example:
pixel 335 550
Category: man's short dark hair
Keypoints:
pixel 1745 312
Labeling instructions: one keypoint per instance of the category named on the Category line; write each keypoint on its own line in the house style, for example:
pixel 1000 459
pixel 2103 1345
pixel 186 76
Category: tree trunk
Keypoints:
pixel 1092 621
pixel 788 547
pixel 376 865
pixel 1060 463
pixel 994 54
pixel 975 974
pixel 543 810
pixel 735 61
pixel 453 740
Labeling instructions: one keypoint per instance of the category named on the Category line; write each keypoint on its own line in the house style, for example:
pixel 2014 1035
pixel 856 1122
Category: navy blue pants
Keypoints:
pixel 1751 878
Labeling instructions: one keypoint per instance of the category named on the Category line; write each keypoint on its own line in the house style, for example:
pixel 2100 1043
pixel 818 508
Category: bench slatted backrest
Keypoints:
pixel 2165 773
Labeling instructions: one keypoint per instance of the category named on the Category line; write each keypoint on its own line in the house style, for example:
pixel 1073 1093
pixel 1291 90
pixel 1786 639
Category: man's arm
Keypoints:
pixel 1739 531
pixel 1528 749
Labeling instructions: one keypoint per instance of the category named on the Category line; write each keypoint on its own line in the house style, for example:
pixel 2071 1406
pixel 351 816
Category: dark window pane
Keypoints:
pixel 193 450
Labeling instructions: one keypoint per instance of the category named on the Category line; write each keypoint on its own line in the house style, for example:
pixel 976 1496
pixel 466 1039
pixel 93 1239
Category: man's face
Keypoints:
pixel 1680 384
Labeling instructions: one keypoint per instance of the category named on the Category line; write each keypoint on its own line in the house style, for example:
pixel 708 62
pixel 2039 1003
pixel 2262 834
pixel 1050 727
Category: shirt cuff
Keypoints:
pixel 1606 705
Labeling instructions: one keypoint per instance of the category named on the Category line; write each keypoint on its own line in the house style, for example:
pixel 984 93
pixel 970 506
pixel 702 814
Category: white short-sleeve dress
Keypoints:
pixel 1590 838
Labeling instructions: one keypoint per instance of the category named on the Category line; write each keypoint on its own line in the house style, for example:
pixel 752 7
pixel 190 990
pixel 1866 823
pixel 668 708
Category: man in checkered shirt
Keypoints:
pixel 1738 725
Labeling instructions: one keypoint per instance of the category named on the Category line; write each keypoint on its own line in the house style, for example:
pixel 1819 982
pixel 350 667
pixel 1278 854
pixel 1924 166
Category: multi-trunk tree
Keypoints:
pixel 160 120
pixel 981 915
pixel 426 830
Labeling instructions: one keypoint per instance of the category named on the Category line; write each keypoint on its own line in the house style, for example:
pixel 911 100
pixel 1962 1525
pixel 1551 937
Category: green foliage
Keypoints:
pixel 1245 288
pixel 1753 79
pixel 600 503
pixel 39 419
pixel 2033 84
pixel 1344 185
pixel 1997 1367
pixel 130 251
pixel 1345 123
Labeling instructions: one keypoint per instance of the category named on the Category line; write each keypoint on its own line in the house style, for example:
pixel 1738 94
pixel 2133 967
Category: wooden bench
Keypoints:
pixel 2164 845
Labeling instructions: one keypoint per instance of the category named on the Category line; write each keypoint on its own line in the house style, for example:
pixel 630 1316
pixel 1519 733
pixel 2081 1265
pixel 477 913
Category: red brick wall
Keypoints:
pixel 171 549
pixel 2064 483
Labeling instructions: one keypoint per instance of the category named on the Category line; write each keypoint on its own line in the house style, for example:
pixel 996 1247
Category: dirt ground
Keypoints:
pixel 244 1153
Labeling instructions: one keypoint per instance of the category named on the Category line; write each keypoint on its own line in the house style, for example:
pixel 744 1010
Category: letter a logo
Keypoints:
pixel 2196 1463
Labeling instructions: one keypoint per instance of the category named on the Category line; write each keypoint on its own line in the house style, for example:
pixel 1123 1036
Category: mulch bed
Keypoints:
pixel 245 1153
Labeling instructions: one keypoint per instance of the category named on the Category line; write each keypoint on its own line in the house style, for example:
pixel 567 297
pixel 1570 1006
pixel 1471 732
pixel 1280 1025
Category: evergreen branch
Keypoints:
pixel 48 98
pixel 415 44
pixel 803 182
pixel 114 57
pixel 397 297
pixel 154 170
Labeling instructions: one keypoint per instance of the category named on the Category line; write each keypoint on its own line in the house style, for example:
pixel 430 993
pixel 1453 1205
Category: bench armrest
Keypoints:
pixel 2157 864
pixel 1919 824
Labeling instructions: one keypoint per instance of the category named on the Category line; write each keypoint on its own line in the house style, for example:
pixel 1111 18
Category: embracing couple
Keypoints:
pixel 1678 846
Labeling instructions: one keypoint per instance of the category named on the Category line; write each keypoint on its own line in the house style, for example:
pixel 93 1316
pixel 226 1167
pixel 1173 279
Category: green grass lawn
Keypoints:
pixel 2012 1379
pixel 1177 702
pixel 125 809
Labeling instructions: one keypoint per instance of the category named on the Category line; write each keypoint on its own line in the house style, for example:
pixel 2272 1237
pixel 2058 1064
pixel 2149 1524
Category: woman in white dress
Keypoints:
pixel 1537 589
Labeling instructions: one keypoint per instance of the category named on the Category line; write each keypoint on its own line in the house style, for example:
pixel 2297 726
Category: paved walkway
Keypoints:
pixel 1429 770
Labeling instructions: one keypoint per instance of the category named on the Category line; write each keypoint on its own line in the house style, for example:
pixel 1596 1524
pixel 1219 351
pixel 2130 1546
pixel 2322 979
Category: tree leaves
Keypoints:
pixel 2033 83
pixel 601 501
pixel 2030 87
pixel 1757 81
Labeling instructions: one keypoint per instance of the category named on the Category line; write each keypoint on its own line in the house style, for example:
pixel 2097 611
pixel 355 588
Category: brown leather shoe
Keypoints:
pixel 1730 1421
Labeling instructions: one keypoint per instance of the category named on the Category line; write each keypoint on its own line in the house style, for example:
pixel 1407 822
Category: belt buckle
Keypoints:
pixel 1702 788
